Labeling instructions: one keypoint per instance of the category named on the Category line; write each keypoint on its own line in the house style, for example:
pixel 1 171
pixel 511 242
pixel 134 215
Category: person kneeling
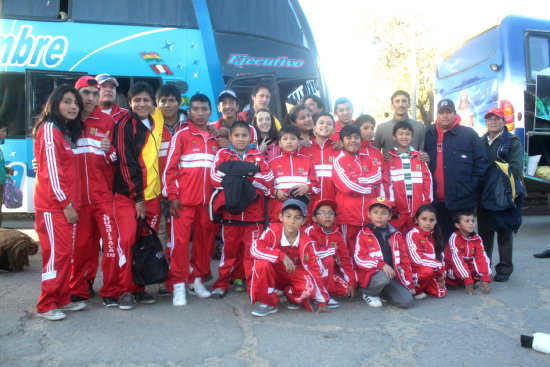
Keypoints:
pixel 285 259
pixel 383 266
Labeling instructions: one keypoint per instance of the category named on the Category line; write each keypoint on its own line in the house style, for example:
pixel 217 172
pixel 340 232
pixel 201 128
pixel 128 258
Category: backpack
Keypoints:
pixel 13 197
pixel 149 263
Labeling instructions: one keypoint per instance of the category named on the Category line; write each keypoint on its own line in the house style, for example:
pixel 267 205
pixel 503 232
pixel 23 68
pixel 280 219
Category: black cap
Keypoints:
pixel 227 93
pixel 445 104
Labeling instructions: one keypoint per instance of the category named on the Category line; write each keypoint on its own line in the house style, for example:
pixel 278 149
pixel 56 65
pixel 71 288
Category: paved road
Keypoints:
pixel 459 330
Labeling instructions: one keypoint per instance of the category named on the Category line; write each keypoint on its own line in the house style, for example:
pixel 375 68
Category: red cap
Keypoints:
pixel 380 201
pixel 494 111
pixel 320 203
pixel 86 81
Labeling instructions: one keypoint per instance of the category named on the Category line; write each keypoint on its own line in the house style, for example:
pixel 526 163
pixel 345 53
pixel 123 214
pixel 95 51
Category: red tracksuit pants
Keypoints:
pixel 425 280
pixel 298 286
pixel 94 220
pixel 56 238
pixel 182 270
pixel 453 276
pixel 236 261
pixel 350 233
pixel 334 280
pixel 125 217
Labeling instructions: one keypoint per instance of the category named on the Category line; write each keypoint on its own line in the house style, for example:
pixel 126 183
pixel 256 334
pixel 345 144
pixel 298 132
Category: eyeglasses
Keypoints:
pixel 326 214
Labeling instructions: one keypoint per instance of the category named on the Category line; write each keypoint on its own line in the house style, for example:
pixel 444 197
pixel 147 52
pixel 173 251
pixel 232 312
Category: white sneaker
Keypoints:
pixel 180 299
pixel 52 315
pixel 198 289
pixel 332 303
pixel 420 296
pixel 372 301
pixel 293 306
pixel 73 306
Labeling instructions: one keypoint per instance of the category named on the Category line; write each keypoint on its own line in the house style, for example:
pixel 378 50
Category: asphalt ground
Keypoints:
pixel 459 330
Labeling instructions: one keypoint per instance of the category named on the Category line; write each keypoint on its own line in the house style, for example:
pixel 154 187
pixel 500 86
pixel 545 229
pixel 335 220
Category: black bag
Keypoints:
pixel 149 264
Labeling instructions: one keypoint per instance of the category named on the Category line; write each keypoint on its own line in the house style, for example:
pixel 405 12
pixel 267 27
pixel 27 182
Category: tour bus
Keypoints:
pixel 499 68
pixel 198 45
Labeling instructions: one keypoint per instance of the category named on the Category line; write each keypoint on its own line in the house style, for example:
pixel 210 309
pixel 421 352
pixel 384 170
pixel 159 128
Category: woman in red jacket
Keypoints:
pixel 55 198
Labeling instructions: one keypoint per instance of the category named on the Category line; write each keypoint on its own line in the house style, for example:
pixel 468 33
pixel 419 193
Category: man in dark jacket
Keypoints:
pixel 458 161
pixel 494 141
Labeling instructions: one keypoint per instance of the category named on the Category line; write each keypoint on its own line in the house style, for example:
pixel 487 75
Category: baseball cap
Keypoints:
pixel 380 201
pixel 494 111
pixel 102 78
pixel 300 204
pixel 86 81
pixel 445 104
pixel 227 93
pixel 320 203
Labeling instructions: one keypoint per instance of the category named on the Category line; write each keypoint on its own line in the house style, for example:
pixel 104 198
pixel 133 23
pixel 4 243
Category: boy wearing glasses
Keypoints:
pixel 339 277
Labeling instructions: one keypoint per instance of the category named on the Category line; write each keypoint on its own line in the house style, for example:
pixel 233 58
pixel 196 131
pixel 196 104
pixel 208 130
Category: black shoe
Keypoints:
pixel 75 298
pixel 110 302
pixel 127 301
pixel 543 255
pixel 144 297
pixel 91 291
pixel 501 277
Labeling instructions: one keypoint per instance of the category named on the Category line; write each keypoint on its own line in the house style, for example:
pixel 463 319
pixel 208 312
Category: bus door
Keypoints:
pixel 243 85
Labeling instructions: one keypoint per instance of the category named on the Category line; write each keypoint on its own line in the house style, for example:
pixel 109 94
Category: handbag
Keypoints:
pixel 149 264
pixel 13 197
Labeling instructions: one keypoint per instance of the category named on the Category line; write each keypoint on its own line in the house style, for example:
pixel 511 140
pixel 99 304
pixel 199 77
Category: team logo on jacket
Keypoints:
pixel 418 167
pixel 300 171
pixel 333 244
pixel 214 149
pixel 365 169
pixel 375 161
pixel 330 159
pixel 92 131
pixel 194 145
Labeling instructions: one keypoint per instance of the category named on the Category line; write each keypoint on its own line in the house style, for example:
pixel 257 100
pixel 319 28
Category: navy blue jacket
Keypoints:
pixel 464 165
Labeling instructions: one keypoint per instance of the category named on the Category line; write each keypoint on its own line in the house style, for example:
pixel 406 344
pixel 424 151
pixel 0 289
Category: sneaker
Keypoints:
pixel 144 297
pixel 73 306
pixel 262 310
pixel 110 302
pixel 162 291
pixel 292 306
pixel 372 301
pixel 198 289
pixel 420 296
pixel 52 315
pixel 75 298
pixel 499 277
pixel 180 298
pixel 332 303
pixel 127 301
pixel 239 286
pixel 218 293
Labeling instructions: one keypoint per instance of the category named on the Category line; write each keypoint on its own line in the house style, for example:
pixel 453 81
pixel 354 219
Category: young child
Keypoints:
pixel 339 277
pixel 357 180
pixel 293 172
pixel 425 243
pixel 383 266
pixel 285 259
pixel 465 258
pixel 322 153
pixel 300 117
pixel 366 124
pixel 264 123
pixel 239 230
pixel 409 180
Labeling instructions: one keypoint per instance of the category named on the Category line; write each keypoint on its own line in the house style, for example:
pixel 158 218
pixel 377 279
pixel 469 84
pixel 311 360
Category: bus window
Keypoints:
pixel 12 103
pixel 165 13
pixel 470 53
pixel 30 8
pixel 538 55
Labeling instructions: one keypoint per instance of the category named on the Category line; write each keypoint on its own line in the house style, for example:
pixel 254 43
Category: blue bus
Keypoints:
pixel 197 45
pixel 499 68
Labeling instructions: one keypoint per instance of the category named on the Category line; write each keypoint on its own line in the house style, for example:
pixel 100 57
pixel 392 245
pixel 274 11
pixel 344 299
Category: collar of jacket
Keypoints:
pixel 413 153
pixel 193 130
pixel 326 143
pixel 333 229
pixel 473 236
pixel 289 154
pixel 423 233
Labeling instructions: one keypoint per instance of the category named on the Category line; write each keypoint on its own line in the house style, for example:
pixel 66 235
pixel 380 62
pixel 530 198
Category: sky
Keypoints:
pixel 346 59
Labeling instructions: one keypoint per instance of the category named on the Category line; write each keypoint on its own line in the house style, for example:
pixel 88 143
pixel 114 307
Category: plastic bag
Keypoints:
pixel 13 197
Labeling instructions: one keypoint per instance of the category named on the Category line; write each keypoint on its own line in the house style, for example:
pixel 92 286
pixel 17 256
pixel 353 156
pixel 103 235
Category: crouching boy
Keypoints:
pixel 285 259
pixel 339 277
pixel 383 266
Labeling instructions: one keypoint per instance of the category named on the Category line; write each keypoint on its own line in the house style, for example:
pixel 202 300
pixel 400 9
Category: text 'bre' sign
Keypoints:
pixel 26 49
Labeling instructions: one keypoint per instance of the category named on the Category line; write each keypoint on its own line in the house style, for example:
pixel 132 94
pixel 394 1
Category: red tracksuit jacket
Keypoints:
pixel 290 169
pixel 357 180
pixel 57 179
pixel 164 147
pixel 395 184
pixel 96 168
pixel 268 247
pixel 322 157
pixel 375 154
pixel 421 246
pixel 262 181
pixel 117 112
pixel 187 173
pixel 462 251
pixel 332 244
pixel 369 258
